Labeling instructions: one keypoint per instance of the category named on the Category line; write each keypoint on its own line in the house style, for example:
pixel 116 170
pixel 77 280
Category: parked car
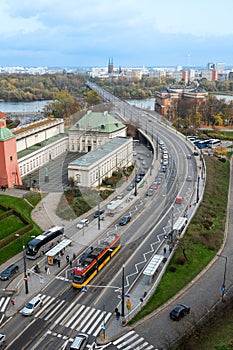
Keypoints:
pixel 98 213
pixel 141 173
pixel 150 192
pixel 33 305
pixel 130 187
pixel 195 153
pixel 179 311
pixel 164 168
pixel 82 223
pixel 124 220
pixel 2 339
pixel 9 272
pixel 138 178
pixel 120 196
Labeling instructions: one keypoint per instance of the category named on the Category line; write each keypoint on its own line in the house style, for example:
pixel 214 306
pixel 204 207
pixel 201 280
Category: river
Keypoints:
pixel 37 106
pixel 149 103
pixel 22 107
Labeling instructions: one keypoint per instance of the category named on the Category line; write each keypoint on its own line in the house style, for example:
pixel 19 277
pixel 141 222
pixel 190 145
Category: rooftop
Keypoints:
pixel 36 147
pixel 98 121
pixel 100 152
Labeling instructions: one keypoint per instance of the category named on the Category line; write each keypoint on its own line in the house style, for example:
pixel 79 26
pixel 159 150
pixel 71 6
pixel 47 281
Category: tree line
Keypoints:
pixel 68 94
pixel 184 113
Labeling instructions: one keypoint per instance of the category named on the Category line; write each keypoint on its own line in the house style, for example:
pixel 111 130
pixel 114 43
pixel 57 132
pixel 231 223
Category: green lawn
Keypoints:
pixel 201 241
pixel 12 224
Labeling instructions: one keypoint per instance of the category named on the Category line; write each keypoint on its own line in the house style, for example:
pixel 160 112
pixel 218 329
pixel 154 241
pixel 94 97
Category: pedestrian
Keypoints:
pixel 164 250
pixel 13 302
pixel 46 268
pixel 118 315
pixel 116 310
pixel 70 263
pixel 48 271
pixel 67 259
pixel 74 256
pixel 58 262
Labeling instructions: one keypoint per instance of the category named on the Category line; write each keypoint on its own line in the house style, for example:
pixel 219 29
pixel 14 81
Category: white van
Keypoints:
pixel 79 342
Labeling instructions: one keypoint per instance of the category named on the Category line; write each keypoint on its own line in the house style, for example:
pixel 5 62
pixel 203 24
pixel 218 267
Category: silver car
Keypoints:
pixel 33 305
pixel 83 223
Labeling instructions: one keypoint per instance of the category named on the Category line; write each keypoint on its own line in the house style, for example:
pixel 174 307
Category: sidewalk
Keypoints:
pixel 45 216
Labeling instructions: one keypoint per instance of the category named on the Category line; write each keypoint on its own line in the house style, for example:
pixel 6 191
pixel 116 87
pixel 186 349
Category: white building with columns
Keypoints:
pixel 90 169
pixel 94 129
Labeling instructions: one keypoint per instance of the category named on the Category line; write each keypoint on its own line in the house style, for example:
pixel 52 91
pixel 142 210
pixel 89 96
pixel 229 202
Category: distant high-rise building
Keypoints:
pixel 220 66
pixel 214 74
pixel 110 66
pixel 210 66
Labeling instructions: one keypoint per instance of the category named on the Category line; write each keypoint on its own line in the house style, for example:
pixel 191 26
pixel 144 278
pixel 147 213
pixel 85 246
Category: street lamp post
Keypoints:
pixel 157 148
pixel 99 198
pixel 123 293
pixel 198 183
pixel 25 277
pixel 25 270
pixel 223 287
pixel 99 210
pixel 172 224
pixel 135 181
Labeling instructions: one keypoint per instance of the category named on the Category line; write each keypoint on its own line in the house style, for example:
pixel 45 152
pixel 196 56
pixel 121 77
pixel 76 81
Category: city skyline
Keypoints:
pixel 76 33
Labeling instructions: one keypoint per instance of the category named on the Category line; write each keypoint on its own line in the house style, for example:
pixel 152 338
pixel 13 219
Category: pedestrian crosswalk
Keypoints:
pixel 72 315
pixel 79 318
pixel 4 301
pixel 132 340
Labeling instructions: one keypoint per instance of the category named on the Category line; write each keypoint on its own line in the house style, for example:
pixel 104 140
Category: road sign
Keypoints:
pixel 25 278
pixel 84 289
pixel 128 304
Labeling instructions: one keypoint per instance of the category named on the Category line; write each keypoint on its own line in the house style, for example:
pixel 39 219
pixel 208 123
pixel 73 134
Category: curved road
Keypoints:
pixel 203 295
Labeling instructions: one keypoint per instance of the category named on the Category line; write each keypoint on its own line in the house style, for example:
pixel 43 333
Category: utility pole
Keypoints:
pixel 99 198
pixel 198 182
pixel 25 270
pixel 123 293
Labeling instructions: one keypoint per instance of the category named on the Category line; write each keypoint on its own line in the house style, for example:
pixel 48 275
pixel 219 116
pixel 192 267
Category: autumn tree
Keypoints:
pixel 63 106
pixel 92 98
pixel 220 151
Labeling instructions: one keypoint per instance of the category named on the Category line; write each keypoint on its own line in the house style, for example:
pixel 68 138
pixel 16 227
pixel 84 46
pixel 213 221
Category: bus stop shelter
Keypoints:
pixel 53 253
pixel 153 266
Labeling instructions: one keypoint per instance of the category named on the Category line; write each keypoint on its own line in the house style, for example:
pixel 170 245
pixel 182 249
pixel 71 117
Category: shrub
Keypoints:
pixel 172 269
pixel 180 260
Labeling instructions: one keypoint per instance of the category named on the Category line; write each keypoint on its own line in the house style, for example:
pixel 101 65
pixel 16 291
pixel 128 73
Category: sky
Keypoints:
pixel 134 33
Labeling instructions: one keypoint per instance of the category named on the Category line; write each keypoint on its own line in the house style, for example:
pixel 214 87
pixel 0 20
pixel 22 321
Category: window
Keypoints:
pixel 11 158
